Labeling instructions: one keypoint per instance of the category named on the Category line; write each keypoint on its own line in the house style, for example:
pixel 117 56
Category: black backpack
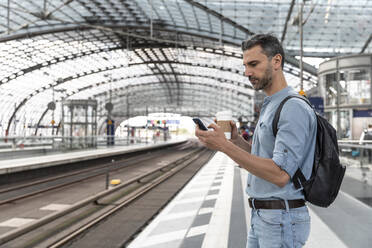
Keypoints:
pixel 327 174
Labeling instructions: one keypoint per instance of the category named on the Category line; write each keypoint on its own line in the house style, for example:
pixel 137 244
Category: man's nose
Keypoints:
pixel 247 72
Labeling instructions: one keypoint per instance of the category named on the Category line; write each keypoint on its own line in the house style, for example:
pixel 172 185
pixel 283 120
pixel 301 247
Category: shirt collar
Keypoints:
pixel 278 96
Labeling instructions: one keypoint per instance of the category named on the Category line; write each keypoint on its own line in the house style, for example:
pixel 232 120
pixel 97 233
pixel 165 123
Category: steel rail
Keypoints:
pixel 124 202
pixel 82 172
pixel 49 218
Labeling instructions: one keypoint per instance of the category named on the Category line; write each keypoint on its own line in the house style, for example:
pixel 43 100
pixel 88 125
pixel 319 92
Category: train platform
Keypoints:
pixel 212 211
pixel 9 166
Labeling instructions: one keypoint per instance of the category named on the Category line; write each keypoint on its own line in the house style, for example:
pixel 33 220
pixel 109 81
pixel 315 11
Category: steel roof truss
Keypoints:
pixel 287 20
pixel 366 44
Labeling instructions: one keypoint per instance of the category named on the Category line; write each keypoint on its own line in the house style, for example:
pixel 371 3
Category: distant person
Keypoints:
pixel 279 216
pixel 244 133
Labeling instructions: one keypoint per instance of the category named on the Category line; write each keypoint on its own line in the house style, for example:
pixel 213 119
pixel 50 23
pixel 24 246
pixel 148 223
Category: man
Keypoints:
pixel 279 216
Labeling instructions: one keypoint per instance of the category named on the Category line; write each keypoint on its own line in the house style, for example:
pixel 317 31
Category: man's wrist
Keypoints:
pixel 227 146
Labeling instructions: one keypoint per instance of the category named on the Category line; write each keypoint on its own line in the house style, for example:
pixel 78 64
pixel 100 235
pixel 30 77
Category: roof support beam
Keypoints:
pixel 314 54
pixel 40 119
pixel 209 107
pixel 287 20
pixel 144 75
pixel 220 16
pixel 55 60
pixel 292 60
pixel 8 17
pixel 146 89
pixel 43 15
pixel 158 69
pixel 220 87
pixel 366 44
pixel 308 68
pixel 202 95
pixel 173 73
pixel 163 74
pixel 175 76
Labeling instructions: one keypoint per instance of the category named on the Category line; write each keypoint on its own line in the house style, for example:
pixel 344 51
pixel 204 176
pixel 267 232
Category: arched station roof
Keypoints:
pixel 179 55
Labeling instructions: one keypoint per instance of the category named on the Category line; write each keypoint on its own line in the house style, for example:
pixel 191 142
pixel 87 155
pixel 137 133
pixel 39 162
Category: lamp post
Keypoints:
pixel 298 21
pixel 109 107
pixel 301 43
pixel 54 107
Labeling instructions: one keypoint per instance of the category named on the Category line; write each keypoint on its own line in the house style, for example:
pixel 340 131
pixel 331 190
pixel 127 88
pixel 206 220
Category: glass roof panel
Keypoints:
pixel 78 47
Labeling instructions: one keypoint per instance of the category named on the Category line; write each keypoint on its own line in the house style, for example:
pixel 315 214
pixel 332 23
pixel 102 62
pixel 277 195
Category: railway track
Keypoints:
pixel 65 226
pixel 25 190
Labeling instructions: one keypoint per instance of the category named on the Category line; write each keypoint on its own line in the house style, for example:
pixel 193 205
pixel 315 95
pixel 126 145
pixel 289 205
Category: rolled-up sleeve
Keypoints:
pixel 293 133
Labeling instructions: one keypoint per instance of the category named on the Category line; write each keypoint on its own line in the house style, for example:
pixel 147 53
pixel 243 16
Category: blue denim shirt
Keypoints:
pixel 292 148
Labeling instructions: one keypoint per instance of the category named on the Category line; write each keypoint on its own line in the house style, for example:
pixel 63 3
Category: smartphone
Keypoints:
pixel 200 124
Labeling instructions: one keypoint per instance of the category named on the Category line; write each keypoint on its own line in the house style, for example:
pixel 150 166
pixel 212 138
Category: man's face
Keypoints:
pixel 257 68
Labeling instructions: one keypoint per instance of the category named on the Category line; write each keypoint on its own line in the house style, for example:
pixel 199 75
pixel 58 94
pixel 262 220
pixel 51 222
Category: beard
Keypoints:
pixel 265 81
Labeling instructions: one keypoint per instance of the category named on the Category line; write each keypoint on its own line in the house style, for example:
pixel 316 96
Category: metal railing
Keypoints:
pixel 356 152
pixel 71 142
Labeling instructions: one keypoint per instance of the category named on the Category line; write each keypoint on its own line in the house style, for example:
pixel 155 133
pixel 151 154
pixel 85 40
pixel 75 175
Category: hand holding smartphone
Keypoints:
pixel 200 124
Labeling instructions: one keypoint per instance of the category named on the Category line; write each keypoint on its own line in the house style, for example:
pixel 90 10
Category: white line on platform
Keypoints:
pixel 171 216
pixel 196 185
pixel 218 181
pixel 201 185
pixel 190 200
pixel 205 210
pixel 209 174
pixel 215 187
pixel 211 197
pixel 195 190
pixel 197 230
pixel 218 229
pixel 163 238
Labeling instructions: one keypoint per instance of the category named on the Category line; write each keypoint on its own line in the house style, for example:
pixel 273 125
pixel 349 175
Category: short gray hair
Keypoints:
pixel 270 45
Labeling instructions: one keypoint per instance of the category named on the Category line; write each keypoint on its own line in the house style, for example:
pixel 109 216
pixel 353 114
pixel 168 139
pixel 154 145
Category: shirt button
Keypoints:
pixel 285 150
pixel 249 185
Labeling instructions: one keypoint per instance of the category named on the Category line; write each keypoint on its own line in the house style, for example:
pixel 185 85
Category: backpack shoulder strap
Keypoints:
pixel 298 178
pixel 279 109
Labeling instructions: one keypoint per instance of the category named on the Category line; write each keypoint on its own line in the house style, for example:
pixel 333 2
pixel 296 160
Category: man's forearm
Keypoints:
pixel 264 168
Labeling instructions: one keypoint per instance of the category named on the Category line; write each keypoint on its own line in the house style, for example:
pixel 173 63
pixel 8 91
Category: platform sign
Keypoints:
pixel 110 132
pixel 318 104
pixel 362 113
pixel 173 122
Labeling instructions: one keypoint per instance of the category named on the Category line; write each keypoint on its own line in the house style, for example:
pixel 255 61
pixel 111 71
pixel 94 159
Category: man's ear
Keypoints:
pixel 277 61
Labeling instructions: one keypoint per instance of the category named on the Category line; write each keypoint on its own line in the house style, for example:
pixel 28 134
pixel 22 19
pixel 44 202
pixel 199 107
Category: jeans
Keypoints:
pixel 272 228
